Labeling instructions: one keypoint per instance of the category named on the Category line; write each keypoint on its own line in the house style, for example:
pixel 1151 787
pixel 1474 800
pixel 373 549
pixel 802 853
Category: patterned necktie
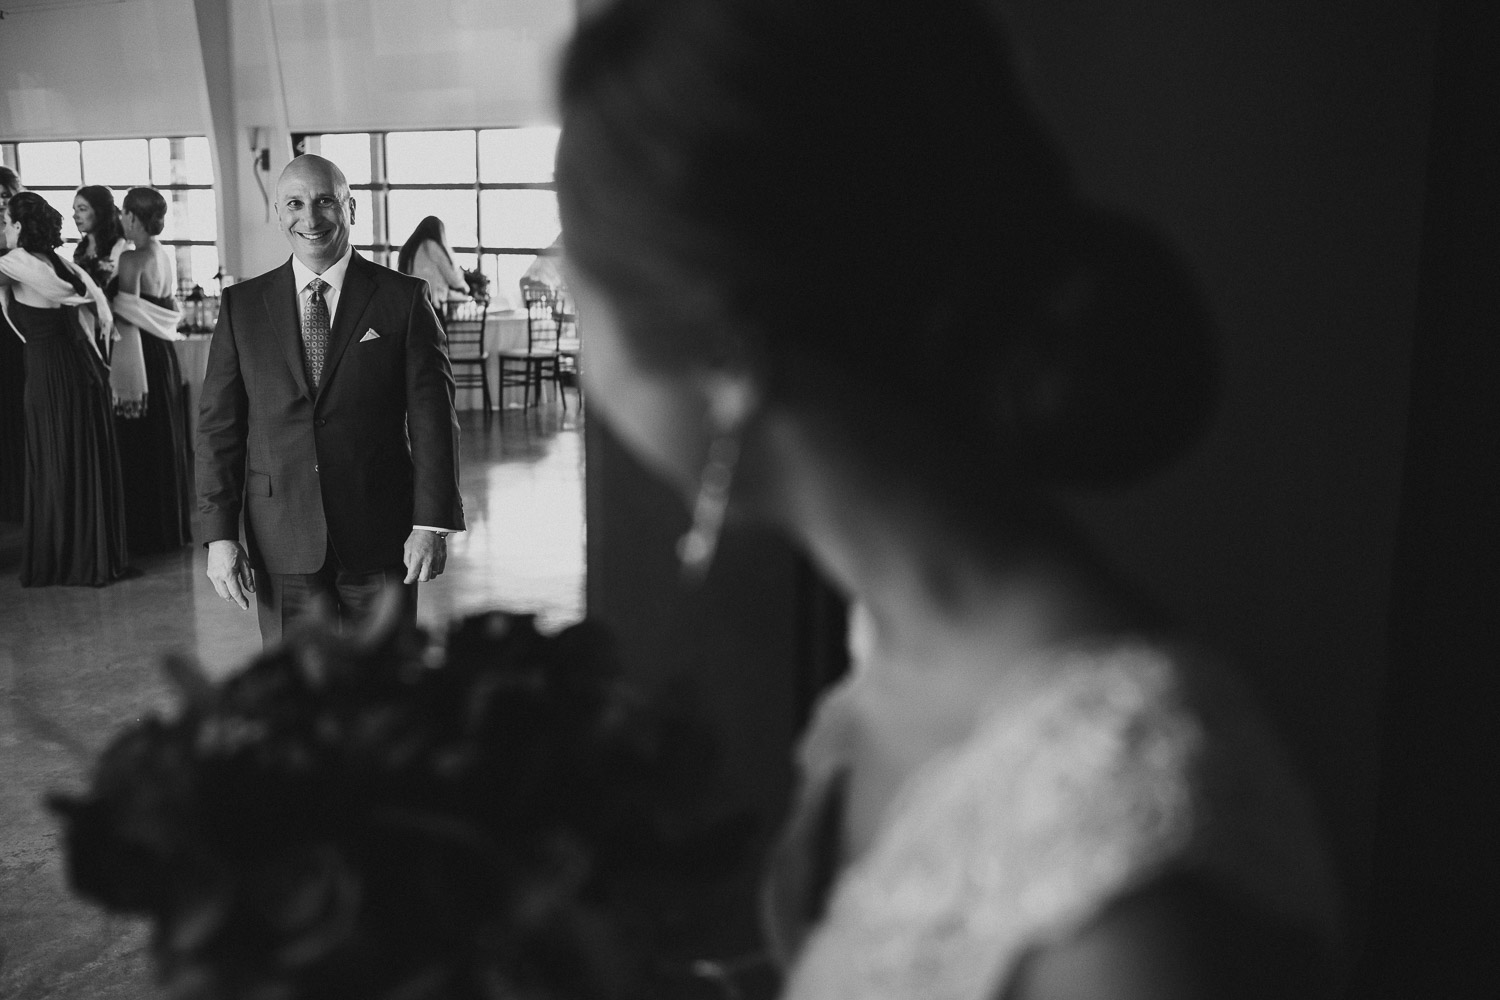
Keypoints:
pixel 315 330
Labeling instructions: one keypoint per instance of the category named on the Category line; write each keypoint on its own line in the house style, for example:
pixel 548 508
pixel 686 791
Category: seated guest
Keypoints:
pixel 493 815
pixel 426 255
pixel 543 277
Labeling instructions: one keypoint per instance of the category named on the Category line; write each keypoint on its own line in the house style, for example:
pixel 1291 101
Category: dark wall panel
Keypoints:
pixel 1282 145
pixel 1436 915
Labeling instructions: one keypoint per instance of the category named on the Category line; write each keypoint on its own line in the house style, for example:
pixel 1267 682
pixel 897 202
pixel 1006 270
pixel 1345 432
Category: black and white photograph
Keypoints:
pixel 749 500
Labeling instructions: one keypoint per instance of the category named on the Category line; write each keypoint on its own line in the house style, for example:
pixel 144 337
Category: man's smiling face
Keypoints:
pixel 314 210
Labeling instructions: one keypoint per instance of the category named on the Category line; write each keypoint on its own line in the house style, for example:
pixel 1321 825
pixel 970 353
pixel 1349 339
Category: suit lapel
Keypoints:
pixel 280 300
pixel 359 285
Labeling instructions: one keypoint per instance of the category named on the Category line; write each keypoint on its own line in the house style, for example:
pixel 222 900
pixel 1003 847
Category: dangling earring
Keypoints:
pixel 695 550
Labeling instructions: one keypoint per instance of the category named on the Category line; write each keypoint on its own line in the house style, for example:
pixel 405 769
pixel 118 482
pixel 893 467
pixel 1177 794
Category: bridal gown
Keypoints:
pixel 1091 773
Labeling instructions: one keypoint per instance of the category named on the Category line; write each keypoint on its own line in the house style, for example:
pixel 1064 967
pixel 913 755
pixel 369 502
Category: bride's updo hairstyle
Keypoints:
pixel 863 197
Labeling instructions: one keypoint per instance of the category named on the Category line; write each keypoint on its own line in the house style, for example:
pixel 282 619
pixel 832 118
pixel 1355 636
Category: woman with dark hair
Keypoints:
pixel 98 221
pixel 1032 784
pixel 426 254
pixel 12 383
pixel 74 512
pixel 153 436
pixel 101 242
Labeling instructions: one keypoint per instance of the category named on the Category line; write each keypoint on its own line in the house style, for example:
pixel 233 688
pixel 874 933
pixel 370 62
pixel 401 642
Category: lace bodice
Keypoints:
pixel 1090 775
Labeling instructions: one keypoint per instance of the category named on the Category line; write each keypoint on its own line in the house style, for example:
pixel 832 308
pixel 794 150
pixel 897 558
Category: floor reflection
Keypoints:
pixel 524 547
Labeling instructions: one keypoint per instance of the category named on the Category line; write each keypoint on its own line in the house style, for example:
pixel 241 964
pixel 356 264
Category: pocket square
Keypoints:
pixel 369 335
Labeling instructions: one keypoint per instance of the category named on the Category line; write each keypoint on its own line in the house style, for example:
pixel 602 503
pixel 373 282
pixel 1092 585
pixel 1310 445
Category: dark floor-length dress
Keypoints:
pixel 74 515
pixel 12 423
pixel 154 453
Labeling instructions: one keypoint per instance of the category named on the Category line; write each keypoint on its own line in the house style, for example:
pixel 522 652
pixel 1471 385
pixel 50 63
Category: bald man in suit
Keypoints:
pixel 327 424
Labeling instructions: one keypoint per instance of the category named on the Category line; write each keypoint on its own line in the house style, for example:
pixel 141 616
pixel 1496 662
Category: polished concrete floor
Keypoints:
pixel 76 663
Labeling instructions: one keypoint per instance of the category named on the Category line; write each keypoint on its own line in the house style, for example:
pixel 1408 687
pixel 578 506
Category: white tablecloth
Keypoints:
pixel 504 330
pixel 192 358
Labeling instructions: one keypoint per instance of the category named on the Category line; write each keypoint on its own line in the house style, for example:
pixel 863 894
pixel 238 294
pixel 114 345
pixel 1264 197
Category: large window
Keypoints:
pixel 180 168
pixel 493 189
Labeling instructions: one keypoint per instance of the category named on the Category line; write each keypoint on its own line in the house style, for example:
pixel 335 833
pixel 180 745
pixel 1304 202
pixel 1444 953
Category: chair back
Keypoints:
pixel 533 289
pixel 567 321
pixel 541 322
pixel 465 323
pixel 200 312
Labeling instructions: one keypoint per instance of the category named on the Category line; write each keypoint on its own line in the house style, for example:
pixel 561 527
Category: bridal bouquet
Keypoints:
pixel 488 813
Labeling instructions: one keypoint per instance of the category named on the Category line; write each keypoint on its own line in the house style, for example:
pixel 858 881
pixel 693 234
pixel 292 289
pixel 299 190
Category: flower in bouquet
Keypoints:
pixel 478 282
pixel 490 813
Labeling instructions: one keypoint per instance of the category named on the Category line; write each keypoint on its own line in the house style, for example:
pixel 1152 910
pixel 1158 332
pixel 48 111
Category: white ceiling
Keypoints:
pixel 23 6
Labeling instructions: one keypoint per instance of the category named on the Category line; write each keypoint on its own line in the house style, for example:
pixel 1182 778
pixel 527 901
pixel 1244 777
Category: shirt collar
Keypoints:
pixel 302 274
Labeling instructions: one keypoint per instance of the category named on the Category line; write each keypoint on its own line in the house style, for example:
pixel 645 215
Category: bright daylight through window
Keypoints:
pixel 493 189
pixel 180 168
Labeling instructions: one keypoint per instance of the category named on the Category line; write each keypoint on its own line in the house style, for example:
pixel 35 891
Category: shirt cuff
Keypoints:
pixel 444 531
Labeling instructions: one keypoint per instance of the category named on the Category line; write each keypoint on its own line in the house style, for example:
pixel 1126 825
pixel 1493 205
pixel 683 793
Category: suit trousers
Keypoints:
pixel 284 599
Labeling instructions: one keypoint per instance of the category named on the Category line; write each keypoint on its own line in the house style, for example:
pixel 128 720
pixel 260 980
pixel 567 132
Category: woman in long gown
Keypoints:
pixel 1032 785
pixel 101 242
pixel 12 387
pixel 153 440
pixel 74 516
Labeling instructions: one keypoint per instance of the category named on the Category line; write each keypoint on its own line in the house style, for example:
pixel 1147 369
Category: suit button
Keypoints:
pixel 315 468
pixel 320 422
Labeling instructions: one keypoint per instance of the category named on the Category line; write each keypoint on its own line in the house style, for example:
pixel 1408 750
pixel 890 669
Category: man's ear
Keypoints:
pixel 351 210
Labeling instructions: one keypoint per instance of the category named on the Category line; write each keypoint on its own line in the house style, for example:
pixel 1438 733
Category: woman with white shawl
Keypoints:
pixel 74 509
pixel 12 387
pixel 153 432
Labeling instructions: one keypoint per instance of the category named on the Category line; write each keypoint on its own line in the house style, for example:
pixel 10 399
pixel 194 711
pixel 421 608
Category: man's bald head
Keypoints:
pixel 311 165
pixel 315 210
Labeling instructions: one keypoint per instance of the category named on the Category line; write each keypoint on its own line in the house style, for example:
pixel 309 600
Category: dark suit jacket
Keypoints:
pixel 356 462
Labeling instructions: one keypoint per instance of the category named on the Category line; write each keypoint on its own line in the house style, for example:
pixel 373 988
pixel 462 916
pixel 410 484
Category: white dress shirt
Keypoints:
pixel 302 276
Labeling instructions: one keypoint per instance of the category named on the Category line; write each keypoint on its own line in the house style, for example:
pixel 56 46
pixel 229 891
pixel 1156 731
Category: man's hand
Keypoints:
pixel 229 571
pixel 425 553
